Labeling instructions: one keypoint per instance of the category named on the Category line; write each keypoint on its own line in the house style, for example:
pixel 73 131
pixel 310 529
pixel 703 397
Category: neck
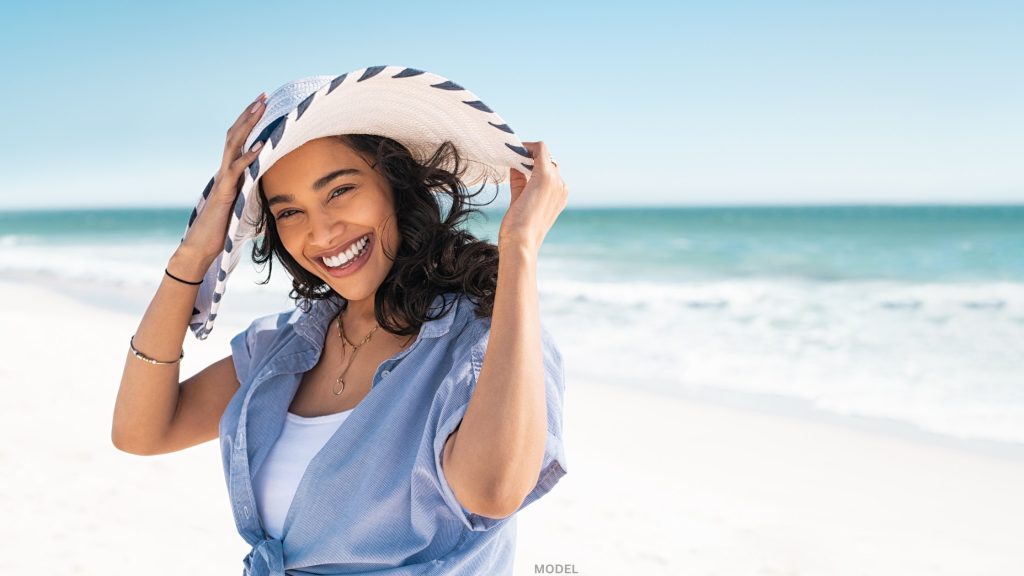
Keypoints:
pixel 359 318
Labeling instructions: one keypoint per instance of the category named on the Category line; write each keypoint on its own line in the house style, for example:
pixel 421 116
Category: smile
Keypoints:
pixel 349 260
pixel 356 249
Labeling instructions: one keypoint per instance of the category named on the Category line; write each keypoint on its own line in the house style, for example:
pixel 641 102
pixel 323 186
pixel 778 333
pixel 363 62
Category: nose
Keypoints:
pixel 321 229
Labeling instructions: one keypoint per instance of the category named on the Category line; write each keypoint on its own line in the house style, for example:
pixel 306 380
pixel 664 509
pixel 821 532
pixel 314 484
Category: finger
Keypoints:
pixel 536 147
pixel 245 159
pixel 251 108
pixel 517 178
pixel 541 157
pixel 517 181
pixel 239 131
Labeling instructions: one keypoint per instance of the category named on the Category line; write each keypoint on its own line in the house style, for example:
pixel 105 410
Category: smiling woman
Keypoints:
pixel 332 192
pixel 407 447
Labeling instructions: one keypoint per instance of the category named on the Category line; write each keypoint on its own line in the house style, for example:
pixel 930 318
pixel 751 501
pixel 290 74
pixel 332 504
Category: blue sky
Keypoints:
pixel 643 103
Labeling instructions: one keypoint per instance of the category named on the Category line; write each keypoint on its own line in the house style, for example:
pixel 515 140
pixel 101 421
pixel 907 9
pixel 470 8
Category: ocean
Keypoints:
pixel 906 314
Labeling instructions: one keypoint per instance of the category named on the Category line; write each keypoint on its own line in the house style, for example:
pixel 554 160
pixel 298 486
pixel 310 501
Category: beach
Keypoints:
pixel 656 484
pixel 779 251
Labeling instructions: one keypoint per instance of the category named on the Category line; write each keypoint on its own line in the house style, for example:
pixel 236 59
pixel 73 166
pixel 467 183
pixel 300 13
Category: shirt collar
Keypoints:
pixel 313 325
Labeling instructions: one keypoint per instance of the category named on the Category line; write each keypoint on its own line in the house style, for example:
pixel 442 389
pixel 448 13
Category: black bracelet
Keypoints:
pixel 180 280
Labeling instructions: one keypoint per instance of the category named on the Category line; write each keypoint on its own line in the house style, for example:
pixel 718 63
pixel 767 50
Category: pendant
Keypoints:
pixel 340 380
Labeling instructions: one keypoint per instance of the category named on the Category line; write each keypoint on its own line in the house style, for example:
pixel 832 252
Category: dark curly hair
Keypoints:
pixel 435 255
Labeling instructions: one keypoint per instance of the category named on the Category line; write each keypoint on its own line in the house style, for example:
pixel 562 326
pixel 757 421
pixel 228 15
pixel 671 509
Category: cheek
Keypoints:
pixel 291 243
pixel 389 234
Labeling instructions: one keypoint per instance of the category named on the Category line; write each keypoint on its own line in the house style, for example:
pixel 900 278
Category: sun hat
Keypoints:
pixel 418 109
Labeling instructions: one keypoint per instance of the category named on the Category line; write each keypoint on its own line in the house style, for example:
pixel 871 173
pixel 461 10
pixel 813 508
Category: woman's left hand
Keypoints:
pixel 536 203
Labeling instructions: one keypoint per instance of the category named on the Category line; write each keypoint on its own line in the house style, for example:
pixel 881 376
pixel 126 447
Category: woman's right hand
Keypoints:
pixel 205 238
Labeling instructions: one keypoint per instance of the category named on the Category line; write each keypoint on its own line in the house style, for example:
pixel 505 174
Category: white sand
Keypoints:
pixel 656 485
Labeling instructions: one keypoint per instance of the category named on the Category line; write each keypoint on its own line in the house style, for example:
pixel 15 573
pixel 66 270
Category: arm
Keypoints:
pixel 150 398
pixel 493 459
pixel 148 395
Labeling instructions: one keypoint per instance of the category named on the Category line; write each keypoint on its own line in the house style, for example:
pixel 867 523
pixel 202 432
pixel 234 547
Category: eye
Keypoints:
pixel 286 213
pixel 343 188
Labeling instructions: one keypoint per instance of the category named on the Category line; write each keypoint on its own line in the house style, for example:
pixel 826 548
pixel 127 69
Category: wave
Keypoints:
pixel 942 355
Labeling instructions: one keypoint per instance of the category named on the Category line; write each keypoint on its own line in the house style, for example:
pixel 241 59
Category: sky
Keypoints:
pixel 112 104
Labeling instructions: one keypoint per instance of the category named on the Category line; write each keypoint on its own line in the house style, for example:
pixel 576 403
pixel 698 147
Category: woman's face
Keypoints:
pixel 325 200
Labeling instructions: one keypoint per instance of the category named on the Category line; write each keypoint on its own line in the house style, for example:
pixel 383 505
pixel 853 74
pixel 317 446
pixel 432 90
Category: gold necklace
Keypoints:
pixel 344 340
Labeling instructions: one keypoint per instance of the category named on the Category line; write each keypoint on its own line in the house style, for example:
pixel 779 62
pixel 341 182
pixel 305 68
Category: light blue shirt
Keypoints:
pixel 374 499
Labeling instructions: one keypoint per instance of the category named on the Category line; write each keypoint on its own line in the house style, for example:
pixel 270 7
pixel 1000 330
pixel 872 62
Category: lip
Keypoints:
pixel 354 266
pixel 341 248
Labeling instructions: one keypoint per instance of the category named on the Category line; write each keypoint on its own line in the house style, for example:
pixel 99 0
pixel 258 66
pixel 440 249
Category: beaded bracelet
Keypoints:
pixel 145 358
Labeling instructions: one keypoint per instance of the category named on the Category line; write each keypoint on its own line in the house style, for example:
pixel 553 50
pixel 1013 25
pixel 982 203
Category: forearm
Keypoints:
pixel 148 394
pixel 500 442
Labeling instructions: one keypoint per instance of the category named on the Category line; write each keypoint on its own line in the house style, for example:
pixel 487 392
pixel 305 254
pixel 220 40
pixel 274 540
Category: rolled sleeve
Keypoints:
pixel 241 354
pixel 253 347
pixel 454 406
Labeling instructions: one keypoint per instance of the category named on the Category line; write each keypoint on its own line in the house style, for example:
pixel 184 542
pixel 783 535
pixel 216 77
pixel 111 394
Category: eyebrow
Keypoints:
pixel 318 185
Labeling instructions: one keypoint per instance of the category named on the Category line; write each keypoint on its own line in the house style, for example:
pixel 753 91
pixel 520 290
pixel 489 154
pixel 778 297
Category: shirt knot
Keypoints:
pixel 265 559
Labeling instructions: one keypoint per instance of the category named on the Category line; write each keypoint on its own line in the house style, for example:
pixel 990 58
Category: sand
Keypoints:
pixel 657 484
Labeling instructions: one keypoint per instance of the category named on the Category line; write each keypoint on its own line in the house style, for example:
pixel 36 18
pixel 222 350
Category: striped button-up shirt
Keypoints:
pixel 374 499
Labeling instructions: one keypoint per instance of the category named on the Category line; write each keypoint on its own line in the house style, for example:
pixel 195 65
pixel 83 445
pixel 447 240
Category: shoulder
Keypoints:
pixel 270 327
pixel 263 339
pixel 277 321
pixel 468 331
pixel 474 327
pixel 471 334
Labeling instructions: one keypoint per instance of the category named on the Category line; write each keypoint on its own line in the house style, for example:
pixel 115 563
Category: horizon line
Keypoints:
pixel 847 204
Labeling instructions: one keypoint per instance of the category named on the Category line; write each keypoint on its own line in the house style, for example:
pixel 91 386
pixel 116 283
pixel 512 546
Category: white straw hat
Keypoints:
pixel 416 108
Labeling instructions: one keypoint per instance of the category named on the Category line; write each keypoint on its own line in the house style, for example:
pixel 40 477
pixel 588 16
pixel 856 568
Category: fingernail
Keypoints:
pixel 256 146
pixel 255 107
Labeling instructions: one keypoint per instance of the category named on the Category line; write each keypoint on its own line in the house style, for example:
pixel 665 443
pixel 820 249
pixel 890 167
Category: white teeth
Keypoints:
pixel 347 256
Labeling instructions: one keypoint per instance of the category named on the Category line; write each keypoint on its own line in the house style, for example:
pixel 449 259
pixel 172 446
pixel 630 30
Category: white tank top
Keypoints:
pixel 282 470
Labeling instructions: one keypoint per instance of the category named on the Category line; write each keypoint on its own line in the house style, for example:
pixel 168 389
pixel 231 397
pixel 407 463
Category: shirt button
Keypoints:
pixel 385 373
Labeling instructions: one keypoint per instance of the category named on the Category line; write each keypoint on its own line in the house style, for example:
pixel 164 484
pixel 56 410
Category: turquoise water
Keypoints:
pixel 948 243
pixel 913 314
pixel 814 243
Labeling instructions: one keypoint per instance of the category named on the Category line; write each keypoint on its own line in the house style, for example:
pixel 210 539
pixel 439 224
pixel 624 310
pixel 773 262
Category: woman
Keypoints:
pixel 399 416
